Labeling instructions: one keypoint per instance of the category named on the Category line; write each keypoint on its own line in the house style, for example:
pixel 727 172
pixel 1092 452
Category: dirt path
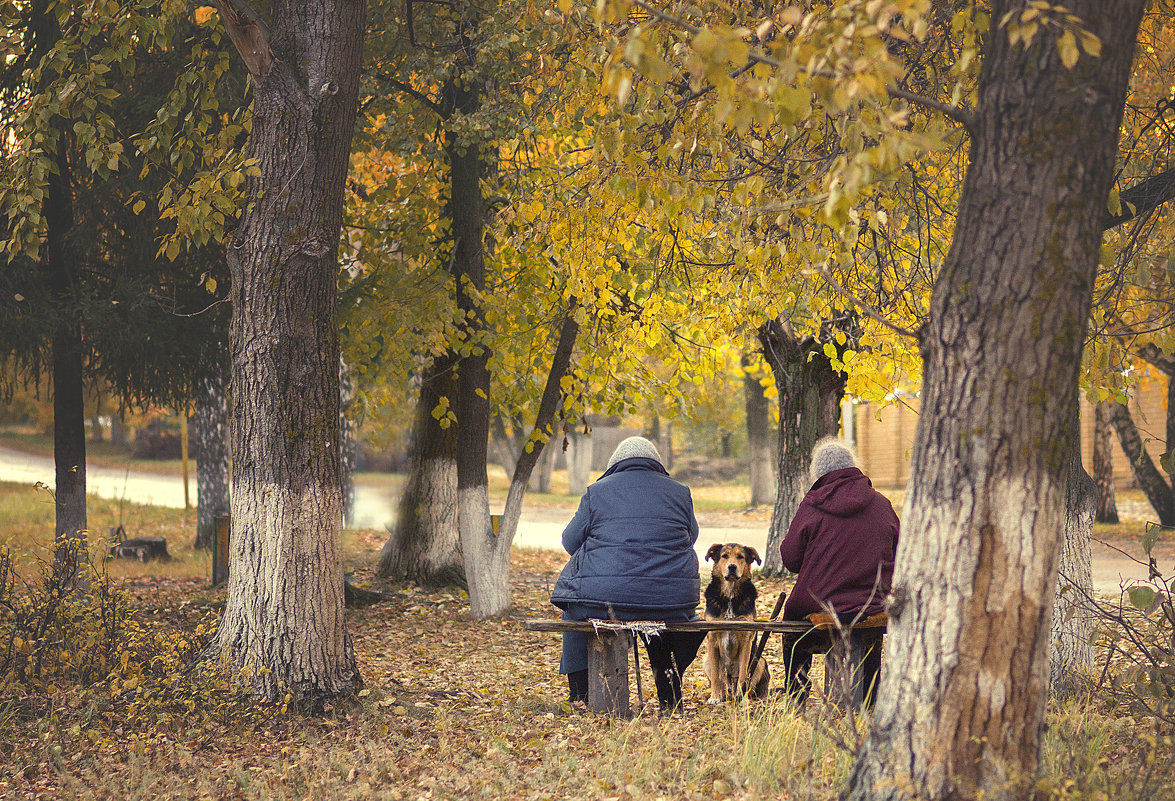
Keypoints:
pixel 541 526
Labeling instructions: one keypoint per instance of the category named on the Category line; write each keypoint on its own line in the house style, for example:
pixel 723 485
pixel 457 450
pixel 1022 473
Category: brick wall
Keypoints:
pixel 885 435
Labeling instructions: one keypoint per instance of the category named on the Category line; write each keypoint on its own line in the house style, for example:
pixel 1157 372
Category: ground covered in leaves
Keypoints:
pixel 452 708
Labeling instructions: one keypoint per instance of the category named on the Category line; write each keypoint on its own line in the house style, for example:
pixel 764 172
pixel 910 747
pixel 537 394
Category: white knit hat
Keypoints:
pixel 831 454
pixel 633 447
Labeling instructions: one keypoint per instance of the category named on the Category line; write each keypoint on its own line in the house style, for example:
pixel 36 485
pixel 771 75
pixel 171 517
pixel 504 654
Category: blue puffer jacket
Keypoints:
pixel 632 543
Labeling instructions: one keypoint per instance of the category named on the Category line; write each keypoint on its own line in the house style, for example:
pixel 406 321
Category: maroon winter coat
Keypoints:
pixel 843 531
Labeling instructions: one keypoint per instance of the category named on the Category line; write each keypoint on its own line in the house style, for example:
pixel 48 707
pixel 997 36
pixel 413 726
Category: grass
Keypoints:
pixel 452 709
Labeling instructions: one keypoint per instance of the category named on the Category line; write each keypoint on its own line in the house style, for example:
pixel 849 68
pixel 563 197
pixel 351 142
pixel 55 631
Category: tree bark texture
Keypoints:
pixel 283 621
pixel 69 413
pixel 210 448
pixel 424 545
pixel 758 413
pixel 1070 648
pixel 962 692
pixel 1149 478
pixel 810 392
pixel 1103 465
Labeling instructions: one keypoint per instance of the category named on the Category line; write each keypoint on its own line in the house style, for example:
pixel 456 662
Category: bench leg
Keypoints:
pixel 608 672
pixel 847 675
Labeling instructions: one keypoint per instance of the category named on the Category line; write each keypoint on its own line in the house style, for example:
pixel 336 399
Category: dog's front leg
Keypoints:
pixel 715 672
pixel 744 662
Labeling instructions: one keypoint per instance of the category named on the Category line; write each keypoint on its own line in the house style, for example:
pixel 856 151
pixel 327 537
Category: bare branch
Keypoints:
pixel 249 35
pixel 868 310
pixel 413 92
pixel 1143 198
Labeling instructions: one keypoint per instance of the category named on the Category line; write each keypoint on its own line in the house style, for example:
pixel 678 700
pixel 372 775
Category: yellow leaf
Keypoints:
pixel 1067 47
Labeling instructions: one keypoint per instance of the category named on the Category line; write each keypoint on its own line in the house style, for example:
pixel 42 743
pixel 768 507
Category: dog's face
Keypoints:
pixel 732 561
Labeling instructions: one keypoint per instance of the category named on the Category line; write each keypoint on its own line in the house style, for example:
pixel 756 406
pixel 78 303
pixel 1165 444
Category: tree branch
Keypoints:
pixel 249 35
pixel 868 310
pixel 1143 198
pixel 413 92
pixel 956 113
pixel 548 406
pixel 1150 352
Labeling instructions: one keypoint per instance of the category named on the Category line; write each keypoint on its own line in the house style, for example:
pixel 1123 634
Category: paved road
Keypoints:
pixel 539 527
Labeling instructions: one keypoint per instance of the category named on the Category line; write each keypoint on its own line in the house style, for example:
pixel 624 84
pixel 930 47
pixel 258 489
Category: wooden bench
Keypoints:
pixel 608 652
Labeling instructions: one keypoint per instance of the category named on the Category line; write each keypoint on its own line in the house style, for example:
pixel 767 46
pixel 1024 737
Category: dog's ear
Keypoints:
pixel 714 552
pixel 753 555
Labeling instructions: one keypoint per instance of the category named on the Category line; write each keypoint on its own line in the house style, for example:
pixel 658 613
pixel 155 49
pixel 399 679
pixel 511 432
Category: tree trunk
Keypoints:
pixel 758 438
pixel 117 429
pixel 347 443
pixel 810 393
pixel 579 461
pixel 1149 479
pixel 495 550
pixel 961 703
pixel 210 449
pixel 284 614
pixel 1103 465
pixel 1070 651
pixel 486 566
pixel 424 545
pixel 540 477
pixel 69 412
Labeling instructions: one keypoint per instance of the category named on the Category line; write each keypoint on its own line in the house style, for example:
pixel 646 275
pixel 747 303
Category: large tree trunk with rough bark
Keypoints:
pixel 1150 480
pixel 284 614
pixel 210 449
pixel 1070 648
pixel 423 545
pixel 810 392
pixel 1103 465
pixel 758 438
pixel 961 701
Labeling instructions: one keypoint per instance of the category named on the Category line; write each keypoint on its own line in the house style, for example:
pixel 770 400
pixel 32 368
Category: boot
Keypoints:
pixel 668 683
pixel 577 686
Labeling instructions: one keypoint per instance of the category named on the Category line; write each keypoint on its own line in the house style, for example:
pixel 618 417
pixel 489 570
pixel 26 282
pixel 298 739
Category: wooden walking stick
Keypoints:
pixel 759 646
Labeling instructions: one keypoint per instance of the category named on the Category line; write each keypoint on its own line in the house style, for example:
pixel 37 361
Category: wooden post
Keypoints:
pixel 184 455
pixel 220 550
pixel 608 672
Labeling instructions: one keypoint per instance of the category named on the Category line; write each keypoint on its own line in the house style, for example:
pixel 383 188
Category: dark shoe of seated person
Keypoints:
pixel 577 687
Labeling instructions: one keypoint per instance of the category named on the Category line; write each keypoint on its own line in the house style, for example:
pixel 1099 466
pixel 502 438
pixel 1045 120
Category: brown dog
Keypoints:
pixel 731 595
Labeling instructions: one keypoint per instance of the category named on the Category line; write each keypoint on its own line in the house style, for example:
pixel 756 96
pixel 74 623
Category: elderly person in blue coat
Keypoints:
pixel 632 558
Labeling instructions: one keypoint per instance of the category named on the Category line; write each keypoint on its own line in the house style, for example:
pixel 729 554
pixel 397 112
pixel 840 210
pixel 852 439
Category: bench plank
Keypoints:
pixel 775 626
pixel 608 653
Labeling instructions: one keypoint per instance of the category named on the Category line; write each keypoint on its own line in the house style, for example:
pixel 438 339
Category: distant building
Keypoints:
pixel 884 435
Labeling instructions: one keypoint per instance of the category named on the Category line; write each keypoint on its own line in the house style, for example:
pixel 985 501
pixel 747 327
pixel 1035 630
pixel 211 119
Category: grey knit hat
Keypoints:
pixel 831 454
pixel 632 448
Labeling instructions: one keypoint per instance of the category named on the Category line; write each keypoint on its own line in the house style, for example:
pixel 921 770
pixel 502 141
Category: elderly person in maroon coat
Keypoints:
pixel 841 544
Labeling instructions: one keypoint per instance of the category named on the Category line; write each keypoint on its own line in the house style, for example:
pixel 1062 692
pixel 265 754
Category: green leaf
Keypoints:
pixel 1141 597
pixel 1167 462
pixel 1150 538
